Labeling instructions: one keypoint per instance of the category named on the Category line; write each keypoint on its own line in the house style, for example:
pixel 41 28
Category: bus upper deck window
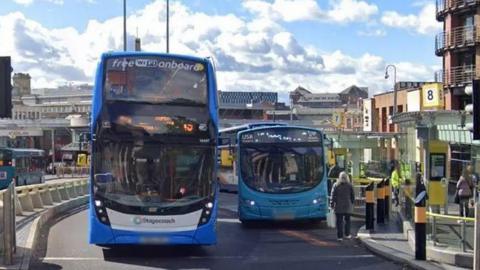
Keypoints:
pixel 117 77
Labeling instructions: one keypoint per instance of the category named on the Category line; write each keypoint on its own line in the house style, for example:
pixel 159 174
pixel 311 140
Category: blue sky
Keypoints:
pixel 337 43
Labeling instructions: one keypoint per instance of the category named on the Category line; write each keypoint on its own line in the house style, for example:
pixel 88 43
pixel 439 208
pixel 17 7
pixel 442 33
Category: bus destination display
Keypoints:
pixel 282 136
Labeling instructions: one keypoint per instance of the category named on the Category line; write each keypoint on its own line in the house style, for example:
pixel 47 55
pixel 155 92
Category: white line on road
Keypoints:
pixel 228 220
pixel 71 259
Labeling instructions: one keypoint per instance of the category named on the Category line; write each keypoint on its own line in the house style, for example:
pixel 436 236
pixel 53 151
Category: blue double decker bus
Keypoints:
pixel 154 133
pixel 282 174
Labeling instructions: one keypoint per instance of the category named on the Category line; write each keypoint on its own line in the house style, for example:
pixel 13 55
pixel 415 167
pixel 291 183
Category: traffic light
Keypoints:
pixel 5 87
pixel 474 108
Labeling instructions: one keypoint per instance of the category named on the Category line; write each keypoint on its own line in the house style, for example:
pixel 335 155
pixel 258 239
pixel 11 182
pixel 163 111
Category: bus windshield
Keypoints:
pixel 141 173
pixel 141 119
pixel 153 79
pixel 281 168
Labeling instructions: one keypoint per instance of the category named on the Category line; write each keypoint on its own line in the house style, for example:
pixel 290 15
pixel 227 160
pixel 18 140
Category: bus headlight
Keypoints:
pixel 319 200
pixel 206 213
pixel 101 212
pixel 250 202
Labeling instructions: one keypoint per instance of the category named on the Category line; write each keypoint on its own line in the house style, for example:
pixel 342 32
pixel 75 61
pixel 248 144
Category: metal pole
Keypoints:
pixel 168 22
pixel 394 86
pixel 53 147
pixel 7 225
pixel 124 25
pixel 291 108
pixel 476 246
pixel 394 90
pixel 434 231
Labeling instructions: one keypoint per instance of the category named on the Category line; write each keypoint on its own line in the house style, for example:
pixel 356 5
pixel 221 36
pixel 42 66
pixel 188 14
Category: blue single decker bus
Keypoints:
pixel 24 165
pixel 154 133
pixel 282 174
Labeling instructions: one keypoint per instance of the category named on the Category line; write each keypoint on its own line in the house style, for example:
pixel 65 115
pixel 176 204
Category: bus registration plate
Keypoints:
pixel 284 215
pixel 154 240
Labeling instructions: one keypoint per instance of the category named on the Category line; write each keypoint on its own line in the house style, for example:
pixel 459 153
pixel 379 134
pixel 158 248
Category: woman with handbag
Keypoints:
pixel 464 192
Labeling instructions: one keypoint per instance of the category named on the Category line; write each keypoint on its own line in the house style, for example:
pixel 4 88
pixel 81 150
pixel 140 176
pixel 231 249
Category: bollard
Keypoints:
pixel 388 196
pixel 380 203
pixel 369 207
pixel 420 224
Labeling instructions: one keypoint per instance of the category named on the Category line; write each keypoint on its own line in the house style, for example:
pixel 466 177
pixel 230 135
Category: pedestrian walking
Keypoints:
pixel 396 179
pixel 342 199
pixel 464 191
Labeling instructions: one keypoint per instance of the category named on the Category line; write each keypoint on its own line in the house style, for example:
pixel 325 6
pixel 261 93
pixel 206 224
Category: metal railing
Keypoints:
pixel 72 171
pixel 458 37
pixel 445 231
pixel 459 75
pixel 444 5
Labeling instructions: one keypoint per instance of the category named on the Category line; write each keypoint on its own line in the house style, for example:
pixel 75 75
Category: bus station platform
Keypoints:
pixel 388 240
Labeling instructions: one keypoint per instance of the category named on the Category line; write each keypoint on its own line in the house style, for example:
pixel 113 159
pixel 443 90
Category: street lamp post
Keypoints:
pixel 168 28
pixel 394 86
pixel 124 25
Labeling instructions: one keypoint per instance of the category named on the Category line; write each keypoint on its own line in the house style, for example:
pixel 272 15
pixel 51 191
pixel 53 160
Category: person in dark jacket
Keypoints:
pixel 465 190
pixel 342 199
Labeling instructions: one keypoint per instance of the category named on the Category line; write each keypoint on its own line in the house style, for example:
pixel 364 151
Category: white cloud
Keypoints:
pixel 423 23
pixel 29 2
pixel 23 2
pixel 339 11
pixel 251 54
pixel 345 11
pixel 372 33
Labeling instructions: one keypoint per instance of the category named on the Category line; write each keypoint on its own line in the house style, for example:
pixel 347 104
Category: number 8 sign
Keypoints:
pixel 432 96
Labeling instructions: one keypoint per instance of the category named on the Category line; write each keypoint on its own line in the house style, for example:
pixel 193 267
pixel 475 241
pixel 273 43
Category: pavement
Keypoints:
pixel 388 240
pixel 265 245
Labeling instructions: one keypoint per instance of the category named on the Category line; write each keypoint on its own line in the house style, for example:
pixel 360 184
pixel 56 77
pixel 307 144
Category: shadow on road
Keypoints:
pixel 124 253
pixel 303 225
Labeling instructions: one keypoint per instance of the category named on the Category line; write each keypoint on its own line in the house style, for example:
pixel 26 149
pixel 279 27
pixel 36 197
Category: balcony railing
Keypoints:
pixel 462 36
pixel 444 6
pixel 460 75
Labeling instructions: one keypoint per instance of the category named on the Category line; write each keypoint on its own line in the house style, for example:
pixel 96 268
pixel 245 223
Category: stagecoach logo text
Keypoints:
pixel 150 220
pixel 155 63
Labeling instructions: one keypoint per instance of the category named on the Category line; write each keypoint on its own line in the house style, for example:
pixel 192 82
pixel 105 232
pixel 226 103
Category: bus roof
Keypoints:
pixel 143 53
pixel 250 126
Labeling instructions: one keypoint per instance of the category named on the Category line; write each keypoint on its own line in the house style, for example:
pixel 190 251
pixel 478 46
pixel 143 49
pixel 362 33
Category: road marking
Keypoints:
pixel 308 238
pixel 228 220
pixel 71 259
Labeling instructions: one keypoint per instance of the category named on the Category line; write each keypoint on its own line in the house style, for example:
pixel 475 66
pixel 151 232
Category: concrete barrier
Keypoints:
pixel 25 199
pixel 35 196
pixel 45 195
pixel 63 192
pixel 70 190
pixel 38 196
pixel 56 197
pixel 31 201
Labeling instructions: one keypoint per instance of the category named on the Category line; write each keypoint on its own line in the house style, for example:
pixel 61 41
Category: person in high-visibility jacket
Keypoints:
pixel 396 180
